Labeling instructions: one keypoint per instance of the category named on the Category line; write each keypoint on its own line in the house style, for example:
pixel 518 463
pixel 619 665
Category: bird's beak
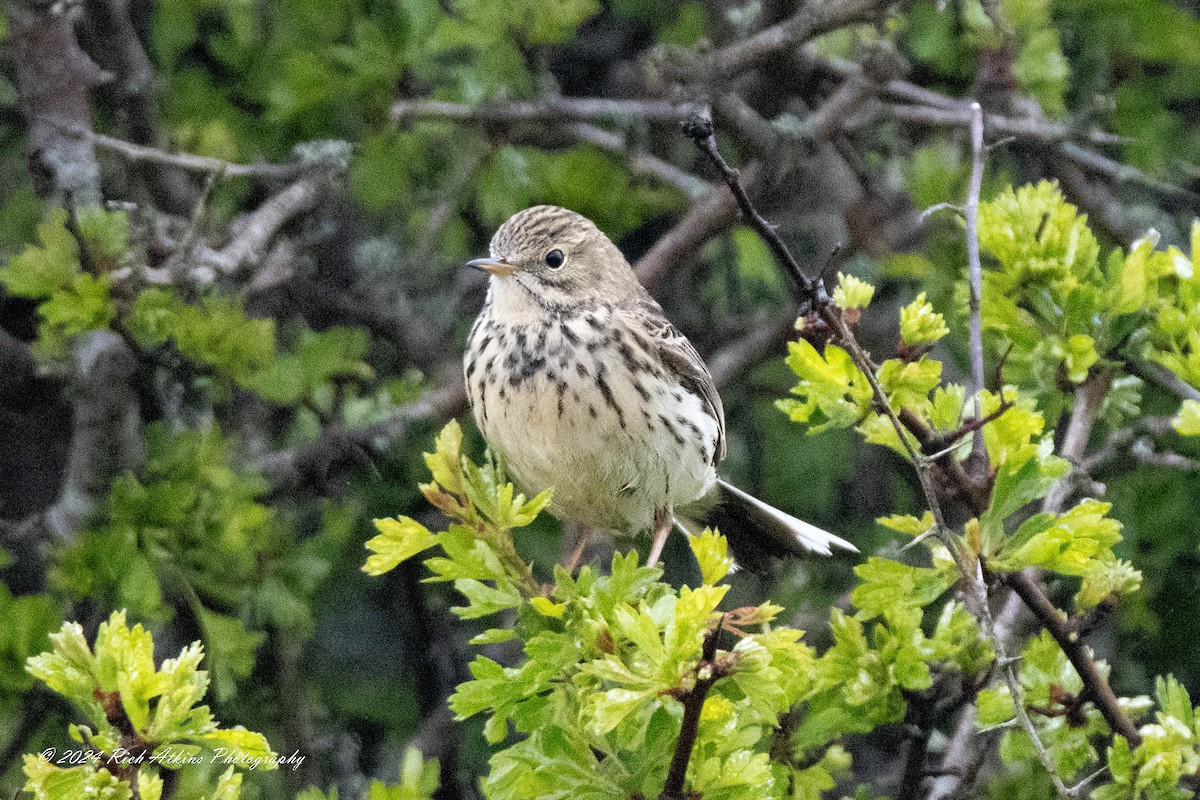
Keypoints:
pixel 493 265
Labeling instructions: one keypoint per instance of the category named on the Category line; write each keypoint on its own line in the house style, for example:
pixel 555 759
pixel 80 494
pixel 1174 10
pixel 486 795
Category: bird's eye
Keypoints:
pixel 555 259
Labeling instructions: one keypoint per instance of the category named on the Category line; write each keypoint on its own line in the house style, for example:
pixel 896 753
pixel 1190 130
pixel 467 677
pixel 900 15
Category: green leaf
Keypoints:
pixel 1134 283
pixel 399 539
pixel 231 650
pixel 1037 237
pixel 1079 354
pixel 105 234
pixel 920 324
pixel 712 554
pixel 833 391
pixel 1073 541
pixel 41 271
pixel 1187 421
pixel 851 292
pixel 908 524
pixel 484 599
pixel 887 585
pixel 240 748
pixel 908 383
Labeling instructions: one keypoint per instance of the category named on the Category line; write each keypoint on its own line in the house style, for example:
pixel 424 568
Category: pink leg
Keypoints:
pixel 662 527
pixel 582 535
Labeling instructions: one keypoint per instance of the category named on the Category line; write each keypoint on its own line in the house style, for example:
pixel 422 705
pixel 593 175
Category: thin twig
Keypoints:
pixel 1125 173
pixel 188 161
pixel 708 672
pixel 1054 621
pixel 1015 691
pixel 700 130
pixel 975 272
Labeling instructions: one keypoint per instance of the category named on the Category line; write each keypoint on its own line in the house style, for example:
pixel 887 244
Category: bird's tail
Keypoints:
pixel 756 530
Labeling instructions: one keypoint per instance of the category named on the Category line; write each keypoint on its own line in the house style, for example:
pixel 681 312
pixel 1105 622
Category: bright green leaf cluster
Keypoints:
pixel 1066 725
pixel 852 292
pixel 610 660
pixel 480 557
pixel 1170 294
pixel 920 324
pixel 606 674
pixel 1077 543
pixel 833 392
pixel 1187 422
pixel 1169 752
pixel 215 332
pixel 860 682
pixel 141 718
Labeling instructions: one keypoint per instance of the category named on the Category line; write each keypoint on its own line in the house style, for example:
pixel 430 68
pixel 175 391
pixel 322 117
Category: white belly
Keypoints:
pixel 611 455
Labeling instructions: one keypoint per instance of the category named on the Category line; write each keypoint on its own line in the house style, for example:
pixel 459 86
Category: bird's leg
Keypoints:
pixel 662 526
pixel 580 534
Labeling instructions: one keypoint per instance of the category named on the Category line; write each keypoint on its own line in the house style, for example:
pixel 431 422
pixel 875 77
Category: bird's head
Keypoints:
pixel 557 256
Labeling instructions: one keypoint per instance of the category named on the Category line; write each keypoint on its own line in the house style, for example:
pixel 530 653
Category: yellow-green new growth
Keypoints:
pixel 141 718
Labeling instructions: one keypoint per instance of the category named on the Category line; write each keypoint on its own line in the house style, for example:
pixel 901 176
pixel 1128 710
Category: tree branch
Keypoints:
pixel 708 672
pixel 17 368
pixel 642 163
pixel 700 131
pixel 312 464
pixel 106 437
pixel 254 232
pixel 1096 687
pixel 708 217
pixel 53 79
pixel 969 565
pixel 192 163
pixel 975 274
pixel 811 20
pixel 551 109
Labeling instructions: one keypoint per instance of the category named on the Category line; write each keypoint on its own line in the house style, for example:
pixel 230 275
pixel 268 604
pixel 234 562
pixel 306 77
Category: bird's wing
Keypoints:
pixel 681 360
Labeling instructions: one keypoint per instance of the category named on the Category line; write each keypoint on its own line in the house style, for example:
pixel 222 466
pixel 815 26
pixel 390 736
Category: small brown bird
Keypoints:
pixel 580 383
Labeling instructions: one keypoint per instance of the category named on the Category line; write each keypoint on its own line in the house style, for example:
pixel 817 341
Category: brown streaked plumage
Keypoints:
pixel 580 382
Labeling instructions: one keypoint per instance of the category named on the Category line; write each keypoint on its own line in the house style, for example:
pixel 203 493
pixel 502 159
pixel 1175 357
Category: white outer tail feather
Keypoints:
pixel 810 537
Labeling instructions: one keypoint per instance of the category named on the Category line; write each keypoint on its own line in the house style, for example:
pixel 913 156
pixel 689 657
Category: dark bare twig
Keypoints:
pixel 700 131
pixel 1054 621
pixel 708 672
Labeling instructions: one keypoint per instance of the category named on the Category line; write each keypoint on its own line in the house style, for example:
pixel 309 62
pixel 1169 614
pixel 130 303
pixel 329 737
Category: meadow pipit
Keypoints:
pixel 580 383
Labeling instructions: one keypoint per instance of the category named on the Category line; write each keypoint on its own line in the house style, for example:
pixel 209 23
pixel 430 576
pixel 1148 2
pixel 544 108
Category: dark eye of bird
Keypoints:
pixel 555 259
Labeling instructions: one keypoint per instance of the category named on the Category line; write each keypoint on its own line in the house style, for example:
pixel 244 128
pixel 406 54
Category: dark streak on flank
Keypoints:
pixel 671 429
pixel 606 391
